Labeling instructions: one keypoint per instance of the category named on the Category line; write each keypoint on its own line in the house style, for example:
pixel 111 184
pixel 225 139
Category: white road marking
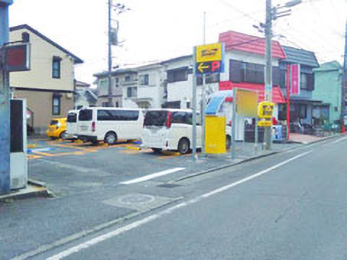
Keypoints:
pixel 148 219
pixel 152 176
pixel 336 141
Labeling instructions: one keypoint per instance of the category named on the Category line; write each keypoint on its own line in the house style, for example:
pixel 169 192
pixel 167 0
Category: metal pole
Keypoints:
pixel 233 126
pixel 203 103
pixel 109 55
pixel 344 83
pixel 288 107
pixel 194 104
pixel 5 141
pixel 268 69
pixel 256 132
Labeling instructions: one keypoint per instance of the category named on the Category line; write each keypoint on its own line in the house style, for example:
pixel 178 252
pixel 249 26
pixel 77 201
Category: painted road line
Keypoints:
pixel 152 176
pixel 336 141
pixel 40 150
pixel 153 217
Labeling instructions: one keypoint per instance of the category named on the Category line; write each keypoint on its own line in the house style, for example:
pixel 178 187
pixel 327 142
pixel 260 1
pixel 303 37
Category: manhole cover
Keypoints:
pixel 138 201
pixel 136 198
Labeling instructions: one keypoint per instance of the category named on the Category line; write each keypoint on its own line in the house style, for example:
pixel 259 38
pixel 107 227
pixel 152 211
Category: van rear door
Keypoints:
pixel 85 120
pixel 154 128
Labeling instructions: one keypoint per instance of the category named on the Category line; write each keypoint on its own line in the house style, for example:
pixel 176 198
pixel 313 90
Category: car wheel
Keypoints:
pixel 156 150
pixel 228 142
pixel 110 138
pixel 63 135
pixel 183 146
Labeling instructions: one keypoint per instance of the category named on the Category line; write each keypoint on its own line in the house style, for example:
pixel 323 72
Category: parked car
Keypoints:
pixel 71 128
pixel 57 128
pixel 169 129
pixel 109 124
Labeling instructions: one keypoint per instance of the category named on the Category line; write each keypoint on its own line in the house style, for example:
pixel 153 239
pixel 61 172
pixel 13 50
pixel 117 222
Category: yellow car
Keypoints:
pixel 57 128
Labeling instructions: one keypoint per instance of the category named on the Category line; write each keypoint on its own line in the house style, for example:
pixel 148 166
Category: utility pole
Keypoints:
pixel 203 97
pixel 110 103
pixel 344 83
pixel 5 141
pixel 268 69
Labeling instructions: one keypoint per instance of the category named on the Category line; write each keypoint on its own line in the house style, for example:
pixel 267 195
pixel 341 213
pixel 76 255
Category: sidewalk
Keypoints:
pixel 306 139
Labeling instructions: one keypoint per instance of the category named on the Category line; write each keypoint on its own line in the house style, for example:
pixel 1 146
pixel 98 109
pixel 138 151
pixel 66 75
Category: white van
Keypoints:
pixel 71 124
pixel 109 124
pixel 169 129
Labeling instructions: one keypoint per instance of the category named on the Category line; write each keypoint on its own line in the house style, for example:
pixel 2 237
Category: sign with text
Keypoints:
pixel 247 103
pixel 295 79
pixel 209 58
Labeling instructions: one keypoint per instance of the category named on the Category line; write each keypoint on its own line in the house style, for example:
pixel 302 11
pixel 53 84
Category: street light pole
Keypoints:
pixel 344 83
pixel 268 69
pixel 5 141
pixel 110 103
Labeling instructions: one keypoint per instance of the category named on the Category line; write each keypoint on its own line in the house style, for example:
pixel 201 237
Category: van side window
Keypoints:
pixel 85 115
pixel 180 118
pixel 72 118
pixel 117 115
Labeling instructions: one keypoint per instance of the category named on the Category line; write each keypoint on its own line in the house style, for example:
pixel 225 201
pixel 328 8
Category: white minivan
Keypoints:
pixel 71 124
pixel 109 124
pixel 169 129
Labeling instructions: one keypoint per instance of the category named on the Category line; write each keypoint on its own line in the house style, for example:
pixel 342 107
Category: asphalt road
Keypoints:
pixel 288 206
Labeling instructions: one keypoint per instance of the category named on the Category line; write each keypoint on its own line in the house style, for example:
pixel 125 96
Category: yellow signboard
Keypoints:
pixel 215 136
pixel 265 109
pixel 210 52
pixel 247 103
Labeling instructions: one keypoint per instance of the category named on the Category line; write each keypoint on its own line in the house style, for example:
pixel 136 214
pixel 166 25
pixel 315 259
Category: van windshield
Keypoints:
pixel 155 118
pixel 85 115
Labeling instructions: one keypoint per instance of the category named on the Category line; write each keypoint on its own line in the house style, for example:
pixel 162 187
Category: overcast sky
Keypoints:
pixel 161 29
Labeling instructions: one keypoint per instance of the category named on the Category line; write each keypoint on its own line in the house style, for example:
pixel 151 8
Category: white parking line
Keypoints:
pixel 148 219
pixel 152 176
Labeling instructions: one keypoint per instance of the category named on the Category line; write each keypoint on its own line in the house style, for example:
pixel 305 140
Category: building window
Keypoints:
pixel 117 104
pixel 56 104
pixel 212 78
pixel 117 82
pixel 25 37
pixel 131 92
pixel 56 67
pixel 177 75
pixel 144 80
pixel 199 80
pixel 104 104
pixel 303 81
pixel 254 73
pixel 302 110
pixel 127 78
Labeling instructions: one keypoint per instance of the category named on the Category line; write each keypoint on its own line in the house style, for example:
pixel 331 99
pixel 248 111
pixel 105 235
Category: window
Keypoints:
pixel 144 80
pixel 176 75
pixel 155 118
pixel 104 85
pixel 182 118
pixel 72 118
pixel 131 92
pixel 212 78
pixel 25 37
pixel 117 104
pixel 127 78
pixel 117 82
pixel 104 104
pixel 56 67
pixel 56 103
pixel 254 73
pixel 302 110
pixel 118 115
pixel 199 80
pixel 85 115
pixel 303 81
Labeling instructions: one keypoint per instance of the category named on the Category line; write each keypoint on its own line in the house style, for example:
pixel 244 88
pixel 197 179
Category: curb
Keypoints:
pixel 252 159
pixel 40 191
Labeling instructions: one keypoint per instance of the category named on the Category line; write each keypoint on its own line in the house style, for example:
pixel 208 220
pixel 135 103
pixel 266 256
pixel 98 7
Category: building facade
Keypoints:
pixel 48 86
pixel 328 89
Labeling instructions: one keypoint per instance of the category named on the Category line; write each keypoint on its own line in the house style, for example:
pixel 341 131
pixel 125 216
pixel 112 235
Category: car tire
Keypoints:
pixel 63 135
pixel 110 138
pixel 183 146
pixel 156 150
